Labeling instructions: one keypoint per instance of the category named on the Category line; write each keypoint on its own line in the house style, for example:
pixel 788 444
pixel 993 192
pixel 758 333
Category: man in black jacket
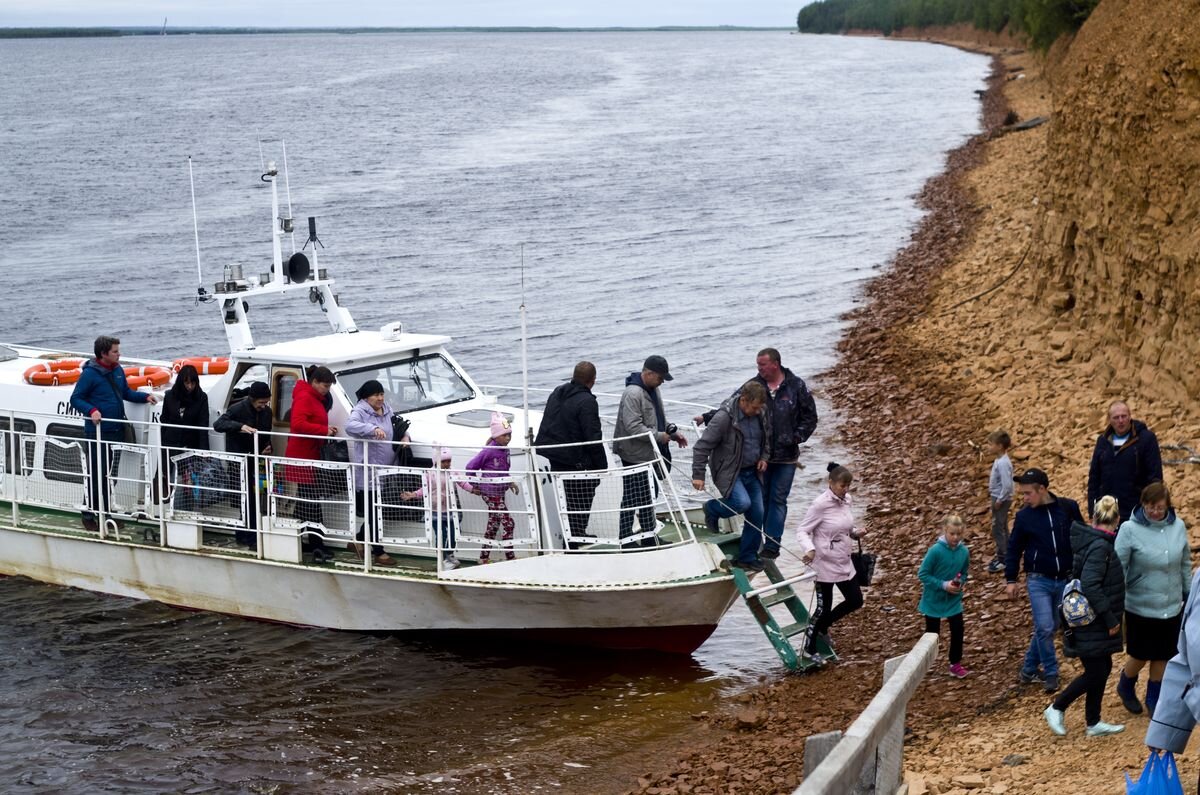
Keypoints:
pixel 1041 536
pixel 245 421
pixel 572 417
pixel 1125 461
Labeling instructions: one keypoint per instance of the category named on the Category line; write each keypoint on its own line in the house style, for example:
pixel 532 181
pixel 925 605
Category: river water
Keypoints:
pixel 699 195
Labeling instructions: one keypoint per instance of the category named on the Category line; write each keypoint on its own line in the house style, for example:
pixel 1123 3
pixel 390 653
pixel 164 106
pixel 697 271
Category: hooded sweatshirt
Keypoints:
pixel 641 412
pixel 942 564
pixel 1157 563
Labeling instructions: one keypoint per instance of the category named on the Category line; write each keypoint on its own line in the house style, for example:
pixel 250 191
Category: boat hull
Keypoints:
pixel 671 617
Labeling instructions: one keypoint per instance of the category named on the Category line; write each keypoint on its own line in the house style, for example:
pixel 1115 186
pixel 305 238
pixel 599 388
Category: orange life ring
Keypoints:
pixel 205 365
pixel 60 371
pixel 138 377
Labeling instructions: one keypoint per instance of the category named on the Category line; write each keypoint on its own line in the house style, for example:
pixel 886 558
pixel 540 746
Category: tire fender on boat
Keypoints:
pixel 62 371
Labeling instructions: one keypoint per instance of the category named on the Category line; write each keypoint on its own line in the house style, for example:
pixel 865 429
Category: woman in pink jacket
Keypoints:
pixel 826 539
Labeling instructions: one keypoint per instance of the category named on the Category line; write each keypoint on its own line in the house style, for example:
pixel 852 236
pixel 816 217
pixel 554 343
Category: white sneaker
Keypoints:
pixel 1102 729
pixel 1054 718
pixel 450 562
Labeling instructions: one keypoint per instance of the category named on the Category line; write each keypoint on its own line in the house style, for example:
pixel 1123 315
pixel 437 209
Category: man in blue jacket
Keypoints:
pixel 100 395
pixel 1041 536
pixel 1126 460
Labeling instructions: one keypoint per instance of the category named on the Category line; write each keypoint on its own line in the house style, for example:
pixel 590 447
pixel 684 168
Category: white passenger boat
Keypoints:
pixel 167 529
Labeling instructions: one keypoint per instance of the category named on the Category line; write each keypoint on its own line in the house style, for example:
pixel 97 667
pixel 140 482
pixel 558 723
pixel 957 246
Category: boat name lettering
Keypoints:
pixel 65 409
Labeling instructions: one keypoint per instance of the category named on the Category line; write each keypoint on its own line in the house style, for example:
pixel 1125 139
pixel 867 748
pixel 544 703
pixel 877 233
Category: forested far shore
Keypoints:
pixel 1042 21
pixel 48 33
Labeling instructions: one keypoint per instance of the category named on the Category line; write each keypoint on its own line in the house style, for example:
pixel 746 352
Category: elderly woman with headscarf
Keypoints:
pixel 371 421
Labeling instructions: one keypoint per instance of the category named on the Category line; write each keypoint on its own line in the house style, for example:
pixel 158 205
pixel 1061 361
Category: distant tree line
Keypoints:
pixel 1042 21
pixel 55 33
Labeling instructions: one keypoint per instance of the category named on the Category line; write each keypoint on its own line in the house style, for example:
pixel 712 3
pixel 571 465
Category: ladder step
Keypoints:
pixel 775 586
pixel 778 598
pixel 788 630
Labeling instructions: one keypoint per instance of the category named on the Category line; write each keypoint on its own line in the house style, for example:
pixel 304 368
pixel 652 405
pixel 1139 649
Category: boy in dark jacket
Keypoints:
pixel 240 423
pixel 1041 536
pixel 1102 581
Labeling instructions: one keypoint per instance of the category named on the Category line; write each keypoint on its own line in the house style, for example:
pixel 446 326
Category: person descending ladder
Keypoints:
pixel 780 591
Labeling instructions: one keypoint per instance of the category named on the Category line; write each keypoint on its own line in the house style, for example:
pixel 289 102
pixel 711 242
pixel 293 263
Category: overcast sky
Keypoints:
pixel 398 13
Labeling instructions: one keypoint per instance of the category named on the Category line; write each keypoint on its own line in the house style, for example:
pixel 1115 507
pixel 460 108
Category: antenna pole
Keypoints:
pixel 287 185
pixel 195 229
pixel 525 357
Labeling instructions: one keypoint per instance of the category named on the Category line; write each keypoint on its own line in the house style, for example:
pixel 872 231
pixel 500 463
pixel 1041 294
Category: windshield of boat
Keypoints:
pixel 411 384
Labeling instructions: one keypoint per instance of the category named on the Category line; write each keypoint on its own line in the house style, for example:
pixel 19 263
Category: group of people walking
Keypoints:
pixel 1125 573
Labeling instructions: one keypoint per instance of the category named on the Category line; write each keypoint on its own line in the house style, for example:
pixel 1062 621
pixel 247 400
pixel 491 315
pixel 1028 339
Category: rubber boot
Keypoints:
pixel 1127 690
pixel 1152 690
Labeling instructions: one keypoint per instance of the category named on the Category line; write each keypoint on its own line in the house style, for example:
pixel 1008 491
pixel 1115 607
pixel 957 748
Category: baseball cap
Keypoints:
pixel 658 365
pixel 1032 477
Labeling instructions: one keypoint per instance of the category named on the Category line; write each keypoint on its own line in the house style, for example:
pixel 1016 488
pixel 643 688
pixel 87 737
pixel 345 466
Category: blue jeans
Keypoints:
pixel 745 497
pixel 1045 596
pixel 777 485
pixel 444 525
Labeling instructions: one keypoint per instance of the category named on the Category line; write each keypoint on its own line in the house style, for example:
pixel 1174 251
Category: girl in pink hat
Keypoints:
pixel 439 485
pixel 492 463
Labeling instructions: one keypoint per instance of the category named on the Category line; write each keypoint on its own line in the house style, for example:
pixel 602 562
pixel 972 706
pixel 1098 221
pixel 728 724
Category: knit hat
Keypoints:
pixel 444 454
pixel 371 387
pixel 259 390
pixel 500 425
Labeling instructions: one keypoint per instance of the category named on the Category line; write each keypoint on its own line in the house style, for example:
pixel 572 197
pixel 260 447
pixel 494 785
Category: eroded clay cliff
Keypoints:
pixel 1118 242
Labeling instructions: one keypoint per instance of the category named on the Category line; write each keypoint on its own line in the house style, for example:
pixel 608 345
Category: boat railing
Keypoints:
pixel 197 497
pixel 680 412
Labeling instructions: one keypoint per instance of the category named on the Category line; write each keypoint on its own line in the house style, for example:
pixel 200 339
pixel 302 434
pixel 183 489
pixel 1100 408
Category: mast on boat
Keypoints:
pixel 297 274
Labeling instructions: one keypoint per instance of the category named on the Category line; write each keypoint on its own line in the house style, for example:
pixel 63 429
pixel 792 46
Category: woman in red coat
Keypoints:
pixel 310 416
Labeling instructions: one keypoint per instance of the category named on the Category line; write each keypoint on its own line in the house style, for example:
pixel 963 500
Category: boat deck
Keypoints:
pixel 221 542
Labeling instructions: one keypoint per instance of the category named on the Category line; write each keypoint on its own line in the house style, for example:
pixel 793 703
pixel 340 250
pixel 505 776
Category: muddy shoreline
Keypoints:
pixel 913 461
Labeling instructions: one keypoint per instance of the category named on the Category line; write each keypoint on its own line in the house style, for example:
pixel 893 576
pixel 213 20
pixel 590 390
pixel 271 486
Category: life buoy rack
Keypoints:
pixel 138 377
pixel 55 373
pixel 205 365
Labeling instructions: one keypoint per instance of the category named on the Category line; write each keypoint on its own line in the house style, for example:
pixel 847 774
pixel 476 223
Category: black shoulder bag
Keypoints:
pixel 864 566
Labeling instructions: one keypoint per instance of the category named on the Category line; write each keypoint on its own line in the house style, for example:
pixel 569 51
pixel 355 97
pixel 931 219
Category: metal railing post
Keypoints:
pixel 14 453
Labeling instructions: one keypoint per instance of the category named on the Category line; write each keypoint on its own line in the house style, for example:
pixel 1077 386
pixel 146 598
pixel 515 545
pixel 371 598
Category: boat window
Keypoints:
pixel 411 384
pixel 249 373
pixel 62 457
pixel 283 382
pixel 7 354
pixel 22 426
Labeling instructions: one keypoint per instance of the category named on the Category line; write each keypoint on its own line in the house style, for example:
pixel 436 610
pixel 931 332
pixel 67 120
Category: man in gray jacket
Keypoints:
pixel 736 446
pixel 640 420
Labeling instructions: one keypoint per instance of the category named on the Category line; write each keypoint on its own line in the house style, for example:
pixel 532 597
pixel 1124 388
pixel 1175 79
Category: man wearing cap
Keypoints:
pixel 245 421
pixel 1041 534
pixel 641 418
pixel 572 418
pixel 1125 461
